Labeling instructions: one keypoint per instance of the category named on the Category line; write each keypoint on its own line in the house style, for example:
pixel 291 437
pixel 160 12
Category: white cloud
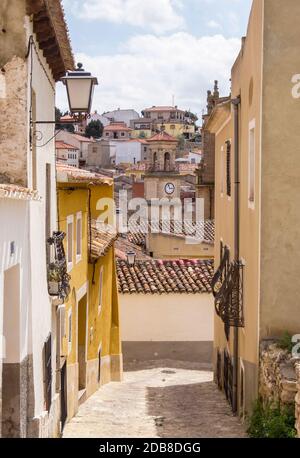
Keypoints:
pixel 148 70
pixel 159 16
pixel 214 24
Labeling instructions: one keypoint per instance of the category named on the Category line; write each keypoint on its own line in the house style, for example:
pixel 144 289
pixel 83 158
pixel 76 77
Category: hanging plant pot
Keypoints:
pixel 53 288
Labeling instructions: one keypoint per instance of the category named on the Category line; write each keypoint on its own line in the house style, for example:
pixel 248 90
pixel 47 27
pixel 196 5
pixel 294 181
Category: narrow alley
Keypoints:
pixel 165 399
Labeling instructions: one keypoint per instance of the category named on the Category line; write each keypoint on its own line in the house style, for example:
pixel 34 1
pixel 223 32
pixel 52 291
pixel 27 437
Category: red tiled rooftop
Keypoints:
pixel 165 277
pixel 67 174
pixel 162 137
pixel 117 126
pixel 62 145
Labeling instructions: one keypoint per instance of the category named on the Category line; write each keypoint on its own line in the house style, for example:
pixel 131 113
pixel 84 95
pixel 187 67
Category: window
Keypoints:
pixel 100 289
pixel 222 170
pixel 228 168
pixel 69 331
pixel 122 134
pixel 70 221
pixel 78 236
pixel 48 209
pixel 251 165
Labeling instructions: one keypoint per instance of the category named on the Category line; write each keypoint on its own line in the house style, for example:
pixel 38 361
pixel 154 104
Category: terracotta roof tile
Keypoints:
pixel 69 174
pixel 102 240
pixel 62 145
pixel 165 277
pixel 117 126
pixel 12 191
pixel 162 137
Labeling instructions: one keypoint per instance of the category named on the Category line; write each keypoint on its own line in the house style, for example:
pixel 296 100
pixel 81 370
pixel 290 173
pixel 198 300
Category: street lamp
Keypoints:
pixel 131 258
pixel 80 88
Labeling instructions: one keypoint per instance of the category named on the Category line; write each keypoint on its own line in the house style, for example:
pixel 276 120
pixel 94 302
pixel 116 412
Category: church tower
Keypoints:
pixel 162 178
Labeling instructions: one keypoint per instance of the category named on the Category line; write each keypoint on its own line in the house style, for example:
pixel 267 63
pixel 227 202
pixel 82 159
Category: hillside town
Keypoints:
pixel 147 287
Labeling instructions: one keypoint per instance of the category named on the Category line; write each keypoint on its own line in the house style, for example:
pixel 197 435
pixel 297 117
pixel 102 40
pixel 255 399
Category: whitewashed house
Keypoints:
pixel 31 376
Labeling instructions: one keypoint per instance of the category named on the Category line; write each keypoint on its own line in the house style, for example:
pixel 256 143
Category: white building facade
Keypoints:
pixel 30 394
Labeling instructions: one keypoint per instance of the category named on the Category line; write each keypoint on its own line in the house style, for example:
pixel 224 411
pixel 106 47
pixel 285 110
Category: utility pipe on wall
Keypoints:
pixel 236 104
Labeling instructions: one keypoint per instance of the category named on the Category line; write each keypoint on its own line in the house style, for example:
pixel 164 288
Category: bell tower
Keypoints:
pixel 162 178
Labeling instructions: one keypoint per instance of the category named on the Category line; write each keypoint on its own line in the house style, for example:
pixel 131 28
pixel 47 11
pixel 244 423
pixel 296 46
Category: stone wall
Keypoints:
pixel 13 92
pixel 279 377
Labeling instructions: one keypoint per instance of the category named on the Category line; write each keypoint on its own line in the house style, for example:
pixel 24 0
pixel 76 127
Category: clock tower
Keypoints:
pixel 162 178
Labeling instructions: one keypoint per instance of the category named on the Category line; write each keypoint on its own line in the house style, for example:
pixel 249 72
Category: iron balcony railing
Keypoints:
pixel 227 286
pixel 58 277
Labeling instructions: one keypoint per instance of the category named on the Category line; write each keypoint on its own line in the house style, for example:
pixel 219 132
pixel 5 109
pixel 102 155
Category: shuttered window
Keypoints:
pixel 228 168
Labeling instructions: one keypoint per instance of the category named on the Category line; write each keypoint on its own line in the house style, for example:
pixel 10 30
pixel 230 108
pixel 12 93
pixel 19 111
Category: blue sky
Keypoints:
pixel 146 51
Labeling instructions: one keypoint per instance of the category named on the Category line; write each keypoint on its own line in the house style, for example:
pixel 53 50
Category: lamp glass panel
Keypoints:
pixel 79 91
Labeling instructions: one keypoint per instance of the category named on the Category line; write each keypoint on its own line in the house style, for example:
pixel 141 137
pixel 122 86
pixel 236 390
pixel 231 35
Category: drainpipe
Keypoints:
pixel 236 103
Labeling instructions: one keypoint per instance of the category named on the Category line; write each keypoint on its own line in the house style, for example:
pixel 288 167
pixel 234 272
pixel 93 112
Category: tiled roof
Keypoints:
pixel 204 230
pixel 69 174
pixel 162 108
pixel 102 239
pixel 162 137
pixel 165 277
pixel 62 145
pixel 117 126
pixel 83 139
pixel 12 191
pixel 124 244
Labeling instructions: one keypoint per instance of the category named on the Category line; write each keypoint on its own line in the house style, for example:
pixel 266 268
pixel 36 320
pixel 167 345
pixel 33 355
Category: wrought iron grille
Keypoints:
pixel 227 287
pixel 57 270
pixel 228 377
pixel 229 298
pixel 220 274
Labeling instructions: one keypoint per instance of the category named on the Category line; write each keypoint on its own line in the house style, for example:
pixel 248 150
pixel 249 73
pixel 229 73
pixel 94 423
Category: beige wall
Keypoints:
pixel 166 317
pixel 280 233
pixel 269 228
pixel 166 246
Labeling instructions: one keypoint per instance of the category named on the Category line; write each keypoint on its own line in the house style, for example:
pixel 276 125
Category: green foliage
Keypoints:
pixel 58 126
pixel 272 422
pixel 142 134
pixel 181 142
pixel 285 343
pixel 94 129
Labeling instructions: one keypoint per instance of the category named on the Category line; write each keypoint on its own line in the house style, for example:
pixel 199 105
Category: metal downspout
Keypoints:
pixel 236 103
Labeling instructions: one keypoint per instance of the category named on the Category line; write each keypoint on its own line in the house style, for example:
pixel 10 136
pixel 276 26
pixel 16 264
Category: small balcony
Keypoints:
pixel 227 287
pixel 58 278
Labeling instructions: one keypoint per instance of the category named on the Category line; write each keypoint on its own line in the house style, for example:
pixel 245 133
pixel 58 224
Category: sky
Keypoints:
pixel 145 52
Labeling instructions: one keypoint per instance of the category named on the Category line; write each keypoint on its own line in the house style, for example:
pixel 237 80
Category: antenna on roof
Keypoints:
pixel 173 100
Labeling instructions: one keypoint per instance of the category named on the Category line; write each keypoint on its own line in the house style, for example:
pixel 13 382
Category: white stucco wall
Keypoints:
pixel 166 317
pixel 43 313
pixel 14 227
pixel 126 151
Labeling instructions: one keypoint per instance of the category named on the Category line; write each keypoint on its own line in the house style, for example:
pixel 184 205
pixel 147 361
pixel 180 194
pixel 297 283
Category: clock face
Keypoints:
pixel 170 188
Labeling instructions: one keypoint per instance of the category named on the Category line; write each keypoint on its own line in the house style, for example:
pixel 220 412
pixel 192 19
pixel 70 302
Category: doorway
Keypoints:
pixel 82 356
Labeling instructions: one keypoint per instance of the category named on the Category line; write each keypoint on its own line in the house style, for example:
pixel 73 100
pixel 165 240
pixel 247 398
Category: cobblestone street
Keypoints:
pixel 160 400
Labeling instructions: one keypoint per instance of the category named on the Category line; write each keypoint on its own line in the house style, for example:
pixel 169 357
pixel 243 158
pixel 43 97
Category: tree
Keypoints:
pixel 94 129
pixel 58 126
pixel 181 142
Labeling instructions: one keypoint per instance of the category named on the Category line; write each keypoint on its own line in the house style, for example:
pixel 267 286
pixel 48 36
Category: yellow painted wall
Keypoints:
pixel 136 133
pixel 101 327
